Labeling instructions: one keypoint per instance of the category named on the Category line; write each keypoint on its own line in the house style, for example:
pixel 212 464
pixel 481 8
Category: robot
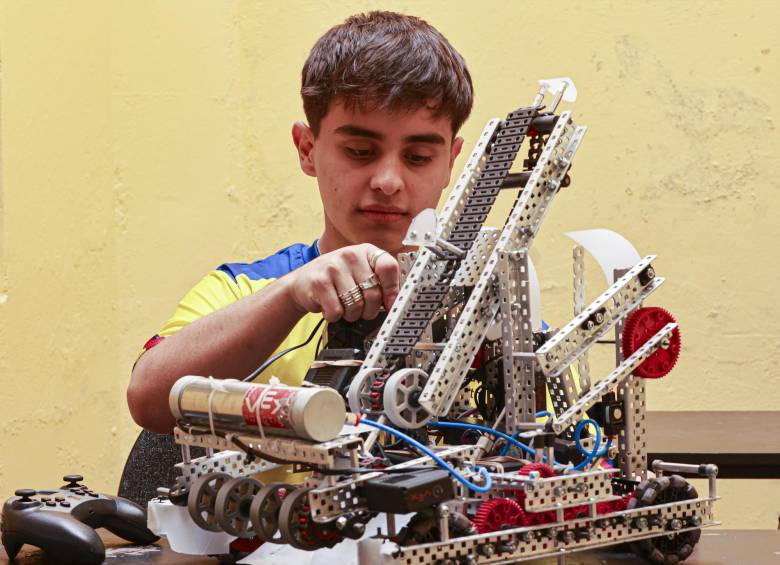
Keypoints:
pixel 439 409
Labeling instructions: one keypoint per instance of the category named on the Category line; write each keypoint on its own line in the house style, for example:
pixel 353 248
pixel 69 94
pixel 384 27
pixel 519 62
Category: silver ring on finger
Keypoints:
pixel 374 258
pixel 351 297
pixel 370 282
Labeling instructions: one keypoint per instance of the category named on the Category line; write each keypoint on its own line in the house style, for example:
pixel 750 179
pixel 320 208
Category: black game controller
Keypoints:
pixel 61 522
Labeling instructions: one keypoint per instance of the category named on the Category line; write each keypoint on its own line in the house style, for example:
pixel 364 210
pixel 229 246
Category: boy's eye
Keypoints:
pixel 417 159
pixel 358 153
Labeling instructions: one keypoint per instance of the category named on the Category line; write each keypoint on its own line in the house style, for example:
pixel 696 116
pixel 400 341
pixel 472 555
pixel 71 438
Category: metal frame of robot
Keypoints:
pixel 497 266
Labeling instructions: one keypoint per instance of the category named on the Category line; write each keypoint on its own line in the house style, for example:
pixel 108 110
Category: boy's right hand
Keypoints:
pixel 316 286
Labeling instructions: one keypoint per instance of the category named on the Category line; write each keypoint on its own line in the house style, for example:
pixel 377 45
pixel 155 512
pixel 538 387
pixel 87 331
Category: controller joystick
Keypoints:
pixel 25 494
pixel 73 481
pixel 62 522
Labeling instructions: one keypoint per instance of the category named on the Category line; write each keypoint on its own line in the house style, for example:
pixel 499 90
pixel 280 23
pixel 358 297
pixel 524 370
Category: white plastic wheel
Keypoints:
pixel 359 391
pixel 402 390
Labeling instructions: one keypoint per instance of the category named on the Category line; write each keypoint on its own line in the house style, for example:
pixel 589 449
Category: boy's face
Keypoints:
pixel 376 170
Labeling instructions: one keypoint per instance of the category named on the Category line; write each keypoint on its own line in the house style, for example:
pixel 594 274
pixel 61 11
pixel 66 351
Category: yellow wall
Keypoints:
pixel 142 144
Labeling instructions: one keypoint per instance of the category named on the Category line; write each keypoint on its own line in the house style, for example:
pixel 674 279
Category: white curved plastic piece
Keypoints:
pixel 423 229
pixel 554 85
pixel 610 250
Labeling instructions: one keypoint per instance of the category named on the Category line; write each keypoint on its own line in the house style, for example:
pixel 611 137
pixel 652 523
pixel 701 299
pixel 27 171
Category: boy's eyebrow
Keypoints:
pixel 371 134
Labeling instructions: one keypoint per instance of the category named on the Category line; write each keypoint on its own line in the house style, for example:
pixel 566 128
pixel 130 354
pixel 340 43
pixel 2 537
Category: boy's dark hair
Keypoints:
pixel 389 61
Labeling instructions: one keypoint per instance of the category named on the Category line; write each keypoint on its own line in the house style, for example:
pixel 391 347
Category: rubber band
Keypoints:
pixel 215 385
pixel 272 383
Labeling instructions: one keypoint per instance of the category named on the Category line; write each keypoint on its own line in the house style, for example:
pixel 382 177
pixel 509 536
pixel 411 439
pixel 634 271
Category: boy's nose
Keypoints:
pixel 388 176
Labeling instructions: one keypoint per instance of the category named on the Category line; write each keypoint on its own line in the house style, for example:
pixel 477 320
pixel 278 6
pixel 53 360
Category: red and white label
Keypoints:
pixel 271 404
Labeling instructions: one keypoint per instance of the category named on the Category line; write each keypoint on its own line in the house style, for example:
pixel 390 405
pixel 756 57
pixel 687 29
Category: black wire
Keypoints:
pixel 279 355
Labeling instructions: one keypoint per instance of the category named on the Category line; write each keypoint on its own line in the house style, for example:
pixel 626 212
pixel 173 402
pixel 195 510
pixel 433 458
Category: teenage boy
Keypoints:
pixel 384 95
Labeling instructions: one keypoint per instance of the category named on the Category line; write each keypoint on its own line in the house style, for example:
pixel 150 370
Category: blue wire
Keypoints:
pixel 539 414
pixel 458 425
pixel 413 442
pixel 596 452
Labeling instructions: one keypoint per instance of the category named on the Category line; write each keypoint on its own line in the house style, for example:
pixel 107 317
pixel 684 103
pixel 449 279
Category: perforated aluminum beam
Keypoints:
pixel 518 232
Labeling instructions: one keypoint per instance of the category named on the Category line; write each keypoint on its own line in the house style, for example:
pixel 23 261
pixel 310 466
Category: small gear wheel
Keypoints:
pixel 536 518
pixel 640 326
pixel 498 514
pixel 544 470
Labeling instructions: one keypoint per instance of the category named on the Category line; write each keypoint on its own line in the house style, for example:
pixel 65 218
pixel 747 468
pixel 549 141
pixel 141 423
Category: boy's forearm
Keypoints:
pixel 228 343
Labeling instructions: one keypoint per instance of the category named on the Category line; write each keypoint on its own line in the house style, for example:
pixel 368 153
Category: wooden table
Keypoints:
pixel 717 547
pixel 744 445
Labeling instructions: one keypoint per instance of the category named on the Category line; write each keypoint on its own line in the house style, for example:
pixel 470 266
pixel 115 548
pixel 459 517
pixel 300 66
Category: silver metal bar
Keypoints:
pixel 425 263
pixel 563 348
pixel 611 381
pixel 578 262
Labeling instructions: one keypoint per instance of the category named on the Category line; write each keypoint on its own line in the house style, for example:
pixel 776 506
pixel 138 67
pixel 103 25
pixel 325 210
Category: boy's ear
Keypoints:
pixel 457 145
pixel 303 138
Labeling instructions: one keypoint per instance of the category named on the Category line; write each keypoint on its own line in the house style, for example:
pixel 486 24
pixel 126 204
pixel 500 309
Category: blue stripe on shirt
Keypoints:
pixel 275 266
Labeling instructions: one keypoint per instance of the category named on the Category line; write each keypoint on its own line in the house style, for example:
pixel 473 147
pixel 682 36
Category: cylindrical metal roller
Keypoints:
pixel 311 413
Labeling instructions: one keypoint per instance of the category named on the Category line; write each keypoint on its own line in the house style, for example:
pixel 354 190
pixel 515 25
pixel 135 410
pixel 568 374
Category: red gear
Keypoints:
pixel 570 513
pixel 542 468
pixel 640 326
pixel 545 471
pixel 498 514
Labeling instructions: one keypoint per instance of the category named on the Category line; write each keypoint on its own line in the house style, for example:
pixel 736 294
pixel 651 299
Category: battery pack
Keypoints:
pixel 409 492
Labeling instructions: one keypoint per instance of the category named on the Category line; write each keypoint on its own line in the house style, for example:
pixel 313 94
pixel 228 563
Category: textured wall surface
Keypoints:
pixel 143 144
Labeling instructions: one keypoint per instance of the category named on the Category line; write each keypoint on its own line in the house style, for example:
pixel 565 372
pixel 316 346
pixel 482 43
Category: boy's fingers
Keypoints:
pixel 386 270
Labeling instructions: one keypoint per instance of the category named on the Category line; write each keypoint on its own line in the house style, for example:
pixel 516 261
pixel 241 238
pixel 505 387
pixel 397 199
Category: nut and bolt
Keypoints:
pixel 675 524
pixel 506 547
pixel 341 522
pixel 640 523
pixel 487 549
pixel 566 536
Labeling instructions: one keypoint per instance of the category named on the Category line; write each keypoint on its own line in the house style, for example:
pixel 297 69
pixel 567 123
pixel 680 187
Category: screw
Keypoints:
pixel 599 317
pixel 665 343
pixel 694 521
pixel 675 524
pixel 341 523
pixel 557 491
pixel 640 523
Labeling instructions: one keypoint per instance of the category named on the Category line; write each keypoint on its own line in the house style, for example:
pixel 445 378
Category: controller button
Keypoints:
pixel 73 478
pixel 45 499
pixel 93 494
pixel 25 493
pixel 51 503
pixel 59 498
pixel 65 503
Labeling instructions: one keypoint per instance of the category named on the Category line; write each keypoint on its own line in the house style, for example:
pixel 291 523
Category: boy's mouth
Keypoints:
pixel 383 214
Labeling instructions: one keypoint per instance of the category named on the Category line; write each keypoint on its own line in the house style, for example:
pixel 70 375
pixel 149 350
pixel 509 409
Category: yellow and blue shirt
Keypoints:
pixel 231 282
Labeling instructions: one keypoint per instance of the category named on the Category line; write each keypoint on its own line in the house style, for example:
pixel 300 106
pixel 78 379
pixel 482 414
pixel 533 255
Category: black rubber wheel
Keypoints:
pixel 201 501
pixel 297 527
pixel 264 511
pixel 672 548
